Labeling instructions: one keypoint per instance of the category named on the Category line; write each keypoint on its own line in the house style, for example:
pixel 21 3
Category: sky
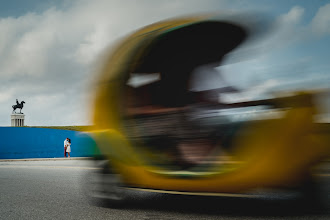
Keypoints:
pixel 50 50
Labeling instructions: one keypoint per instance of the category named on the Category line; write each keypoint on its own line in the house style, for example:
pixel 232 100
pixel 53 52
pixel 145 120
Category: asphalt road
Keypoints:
pixel 52 190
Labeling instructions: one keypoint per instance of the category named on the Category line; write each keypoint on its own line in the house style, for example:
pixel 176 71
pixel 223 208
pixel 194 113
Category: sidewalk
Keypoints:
pixel 45 159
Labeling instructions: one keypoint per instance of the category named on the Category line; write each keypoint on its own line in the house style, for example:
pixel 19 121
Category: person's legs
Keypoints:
pixel 64 152
pixel 68 154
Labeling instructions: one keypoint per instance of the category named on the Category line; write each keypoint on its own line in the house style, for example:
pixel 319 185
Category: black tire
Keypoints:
pixel 103 186
pixel 312 195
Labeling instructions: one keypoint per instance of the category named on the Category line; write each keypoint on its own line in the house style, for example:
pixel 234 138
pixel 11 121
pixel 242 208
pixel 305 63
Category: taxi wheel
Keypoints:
pixel 104 186
pixel 313 195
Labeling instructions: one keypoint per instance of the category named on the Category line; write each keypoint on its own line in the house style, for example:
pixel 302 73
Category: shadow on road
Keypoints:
pixel 223 205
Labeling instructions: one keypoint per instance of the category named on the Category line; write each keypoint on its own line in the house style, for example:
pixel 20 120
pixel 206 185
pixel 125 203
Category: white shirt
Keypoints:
pixel 65 143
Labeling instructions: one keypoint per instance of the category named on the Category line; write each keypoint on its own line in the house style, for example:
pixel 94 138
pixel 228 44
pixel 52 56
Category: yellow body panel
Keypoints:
pixel 279 154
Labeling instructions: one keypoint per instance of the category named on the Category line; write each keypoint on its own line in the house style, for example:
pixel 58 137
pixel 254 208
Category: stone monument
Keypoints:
pixel 17 119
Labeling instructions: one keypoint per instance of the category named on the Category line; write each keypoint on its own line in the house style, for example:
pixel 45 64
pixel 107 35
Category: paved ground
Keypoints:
pixel 52 190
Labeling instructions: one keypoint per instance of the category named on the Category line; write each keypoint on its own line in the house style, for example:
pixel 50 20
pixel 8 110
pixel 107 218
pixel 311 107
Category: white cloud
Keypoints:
pixel 5 96
pixel 287 30
pixel 293 17
pixel 321 22
pixel 47 58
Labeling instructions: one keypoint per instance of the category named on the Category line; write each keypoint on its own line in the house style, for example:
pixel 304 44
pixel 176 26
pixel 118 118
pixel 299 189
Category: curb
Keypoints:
pixel 45 159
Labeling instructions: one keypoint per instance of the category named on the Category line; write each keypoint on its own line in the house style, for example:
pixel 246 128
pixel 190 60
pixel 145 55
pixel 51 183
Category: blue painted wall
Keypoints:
pixel 23 142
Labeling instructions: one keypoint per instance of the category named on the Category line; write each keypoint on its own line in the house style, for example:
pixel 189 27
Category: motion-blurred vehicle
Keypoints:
pixel 155 132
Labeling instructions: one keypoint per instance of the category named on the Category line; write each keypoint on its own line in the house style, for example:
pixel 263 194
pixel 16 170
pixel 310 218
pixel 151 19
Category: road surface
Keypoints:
pixel 52 190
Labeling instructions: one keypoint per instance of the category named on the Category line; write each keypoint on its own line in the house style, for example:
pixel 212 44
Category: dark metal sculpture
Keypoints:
pixel 18 105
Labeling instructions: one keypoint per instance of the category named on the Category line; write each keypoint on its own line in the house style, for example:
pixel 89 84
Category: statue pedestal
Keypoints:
pixel 17 120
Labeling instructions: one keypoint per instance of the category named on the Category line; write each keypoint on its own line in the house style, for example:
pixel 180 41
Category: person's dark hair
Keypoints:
pixel 69 140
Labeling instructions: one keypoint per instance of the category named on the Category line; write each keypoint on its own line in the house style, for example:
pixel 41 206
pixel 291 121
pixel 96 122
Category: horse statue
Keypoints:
pixel 18 105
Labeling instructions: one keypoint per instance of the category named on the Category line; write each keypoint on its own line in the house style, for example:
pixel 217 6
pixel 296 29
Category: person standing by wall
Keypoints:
pixel 68 148
pixel 66 141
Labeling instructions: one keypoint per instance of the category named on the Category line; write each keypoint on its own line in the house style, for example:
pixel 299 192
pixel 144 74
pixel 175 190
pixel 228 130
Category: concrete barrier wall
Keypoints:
pixel 23 142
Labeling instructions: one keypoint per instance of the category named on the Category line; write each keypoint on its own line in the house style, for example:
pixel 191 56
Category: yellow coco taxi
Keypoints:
pixel 160 127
